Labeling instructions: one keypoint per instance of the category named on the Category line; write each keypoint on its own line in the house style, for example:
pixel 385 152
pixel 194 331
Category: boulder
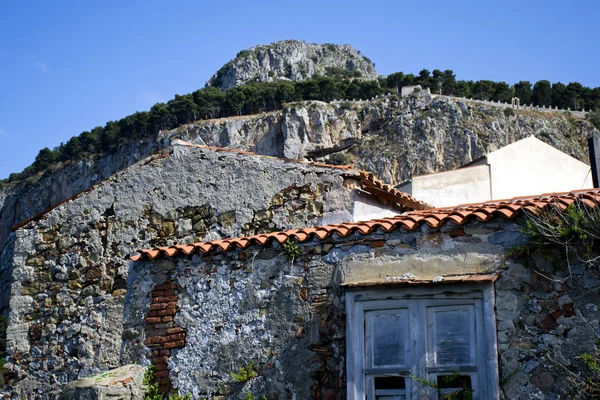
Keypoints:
pixel 123 383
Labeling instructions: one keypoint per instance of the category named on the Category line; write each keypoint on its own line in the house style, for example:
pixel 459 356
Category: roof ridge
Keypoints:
pixel 411 220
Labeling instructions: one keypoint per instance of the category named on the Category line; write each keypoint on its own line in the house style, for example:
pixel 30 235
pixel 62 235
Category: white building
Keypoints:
pixel 519 169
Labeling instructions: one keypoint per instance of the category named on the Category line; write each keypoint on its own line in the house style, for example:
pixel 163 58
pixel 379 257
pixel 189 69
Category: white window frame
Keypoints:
pixel 419 301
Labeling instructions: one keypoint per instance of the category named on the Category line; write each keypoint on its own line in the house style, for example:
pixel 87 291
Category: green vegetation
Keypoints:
pixel 448 387
pixel 575 229
pixel 250 396
pixel 588 385
pixel 291 250
pixel 153 393
pixel 150 381
pixel 252 98
pixel 245 374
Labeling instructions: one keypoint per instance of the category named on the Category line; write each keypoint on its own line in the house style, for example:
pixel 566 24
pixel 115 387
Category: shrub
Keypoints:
pixel 291 250
pixel 245 374
pixel 509 112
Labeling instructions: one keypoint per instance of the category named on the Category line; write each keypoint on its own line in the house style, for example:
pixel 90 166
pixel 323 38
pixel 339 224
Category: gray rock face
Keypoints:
pixel 124 383
pixel 291 60
pixel 396 138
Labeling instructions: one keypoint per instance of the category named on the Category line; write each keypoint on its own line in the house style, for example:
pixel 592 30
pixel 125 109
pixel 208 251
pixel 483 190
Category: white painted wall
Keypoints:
pixel 531 166
pixel 366 208
pixel 527 167
pixel 465 185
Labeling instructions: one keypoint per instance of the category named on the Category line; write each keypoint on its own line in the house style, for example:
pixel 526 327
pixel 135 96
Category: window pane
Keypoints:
pixel 452 337
pixel 388 335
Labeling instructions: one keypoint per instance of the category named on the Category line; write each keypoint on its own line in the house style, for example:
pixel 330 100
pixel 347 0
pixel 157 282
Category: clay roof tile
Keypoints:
pixel 461 214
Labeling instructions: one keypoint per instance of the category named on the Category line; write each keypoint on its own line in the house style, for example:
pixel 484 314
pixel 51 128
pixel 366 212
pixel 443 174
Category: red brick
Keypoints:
pixel 166 388
pixel 172 345
pixel 159 306
pixel 164 299
pixel 152 314
pixel 160 367
pixel 164 286
pixel 152 320
pixel 177 329
pixel 158 360
pixel 157 332
pixel 169 293
pixel 167 311
pixel 176 337
pixel 172 305
pixel 165 352
pixel 167 318
pixel 164 381
pixel 377 243
pixel 158 293
pixel 162 374
pixel 148 340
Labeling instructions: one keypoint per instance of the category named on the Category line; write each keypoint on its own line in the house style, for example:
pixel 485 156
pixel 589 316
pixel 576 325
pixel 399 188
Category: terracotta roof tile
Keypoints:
pixel 435 218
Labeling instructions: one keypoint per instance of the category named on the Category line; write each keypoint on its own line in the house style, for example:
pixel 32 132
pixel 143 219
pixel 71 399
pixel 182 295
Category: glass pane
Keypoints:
pixel 452 339
pixel 389 331
pixel 389 382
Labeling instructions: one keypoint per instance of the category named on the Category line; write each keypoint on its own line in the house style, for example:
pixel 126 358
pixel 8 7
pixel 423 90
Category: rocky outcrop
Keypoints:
pixel 292 60
pixel 395 138
pixel 124 383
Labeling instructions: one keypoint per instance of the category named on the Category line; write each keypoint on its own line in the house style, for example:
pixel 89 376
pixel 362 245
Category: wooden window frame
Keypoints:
pixel 418 301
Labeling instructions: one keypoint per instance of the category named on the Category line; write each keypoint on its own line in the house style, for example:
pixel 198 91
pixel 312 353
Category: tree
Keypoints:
pixel 44 159
pixel 483 90
pixel 523 92
pixel 436 81
pixel 160 116
pixel 503 92
pixel 448 82
pixel 183 109
pixel 424 78
pixel 395 81
pixel 558 95
pixel 71 151
pixel 574 95
pixel 210 102
pixel 542 93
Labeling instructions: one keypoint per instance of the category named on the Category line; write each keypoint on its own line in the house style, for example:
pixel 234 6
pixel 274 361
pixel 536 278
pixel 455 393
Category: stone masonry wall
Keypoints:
pixel 70 269
pixel 287 317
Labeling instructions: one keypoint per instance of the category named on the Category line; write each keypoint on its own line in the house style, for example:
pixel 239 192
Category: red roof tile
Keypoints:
pixel 435 218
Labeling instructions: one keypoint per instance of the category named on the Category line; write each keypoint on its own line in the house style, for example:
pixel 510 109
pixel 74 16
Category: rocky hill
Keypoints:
pixel 292 60
pixel 391 137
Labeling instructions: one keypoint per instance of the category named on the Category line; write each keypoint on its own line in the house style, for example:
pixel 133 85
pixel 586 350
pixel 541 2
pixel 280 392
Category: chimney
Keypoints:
pixel 594 146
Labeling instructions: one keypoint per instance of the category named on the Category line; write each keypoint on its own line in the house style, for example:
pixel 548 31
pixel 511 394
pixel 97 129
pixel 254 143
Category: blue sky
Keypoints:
pixel 68 66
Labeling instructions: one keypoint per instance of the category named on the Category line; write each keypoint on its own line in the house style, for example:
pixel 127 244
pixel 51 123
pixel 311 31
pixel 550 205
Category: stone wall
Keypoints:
pixel 70 268
pixel 287 317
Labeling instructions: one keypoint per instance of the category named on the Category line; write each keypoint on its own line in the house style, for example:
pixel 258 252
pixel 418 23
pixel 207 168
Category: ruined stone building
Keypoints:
pixel 327 282
pixel 70 266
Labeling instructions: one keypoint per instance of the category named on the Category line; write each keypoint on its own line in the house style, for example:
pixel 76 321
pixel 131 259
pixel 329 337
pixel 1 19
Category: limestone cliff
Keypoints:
pixel 292 60
pixel 392 137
